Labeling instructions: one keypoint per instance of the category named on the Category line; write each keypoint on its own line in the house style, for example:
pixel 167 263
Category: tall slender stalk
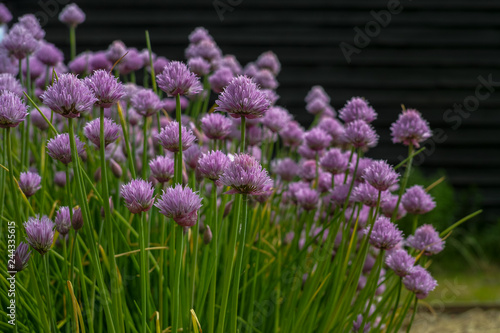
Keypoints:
pixel 177 277
pixel 215 257
pixel 10 166
pixel 144 270
pixel 115 286
pixel 49 297
pixel 72 42
pixel 239 260
pixel 88 230
pixel 404 181
pixel 145 148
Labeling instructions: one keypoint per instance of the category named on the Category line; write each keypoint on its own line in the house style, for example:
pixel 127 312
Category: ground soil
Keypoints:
pixel 471 321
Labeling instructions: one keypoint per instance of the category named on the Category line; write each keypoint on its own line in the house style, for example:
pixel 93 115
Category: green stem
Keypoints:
pixel 144 270
pixel 145 148
pixel 177 277
pixel 243 131
pixel 239 259
pixel 88 229
pixel 40 303
pixel 404 182
pixel 115 287
pixel 215 255
pixel 412 315
pixel 13 187
pixel 178 166
pixel 400 286
pixel 72 42
pixel 228 268
pixel 49 297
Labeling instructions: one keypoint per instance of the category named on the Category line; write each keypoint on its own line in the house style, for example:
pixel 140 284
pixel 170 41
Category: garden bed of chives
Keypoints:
pixel 151 210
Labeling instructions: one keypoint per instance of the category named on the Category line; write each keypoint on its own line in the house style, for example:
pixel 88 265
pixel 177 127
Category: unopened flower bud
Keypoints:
pixel 77 221
pixel 207 235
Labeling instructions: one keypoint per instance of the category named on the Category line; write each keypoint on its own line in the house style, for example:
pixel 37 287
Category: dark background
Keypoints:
pixel 429 57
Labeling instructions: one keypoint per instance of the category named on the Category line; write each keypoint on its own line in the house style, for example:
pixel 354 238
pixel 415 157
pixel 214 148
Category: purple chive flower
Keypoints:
pixel 292 134
pixel 160 63
pixel 105 87
pixel 131 62
pixel 271 95
pixel 324 181
pixel 276 118
pixel 333 127
pixel 8 64
pixel 162 168
pixel 49 54
pixel 242 98
pixel 138 195
pixel 207 49
pixel 80 65
pixel 5 15
pixel 364 163
pixel 317 139
pixel 12 109
pixel 60 178
pixel 400 262
pixel 199 34
pixel 426 239
pixel 307 198
pixel 30 23
pixel 334 161
pixel 180 204
pixel 220 79
pixel 360 134
pixel 216 126
pixel 307 152
pixel 356 324
pixel 38 120
pixel 245 175
pixel 253 135
pixel 98 60
pixel 37 68
pixel 265 79
pixel 29 182
pixel 72 15
pixel 380 175
pixel 285 168
pixel 39 233
pixel 357 109
pixel 213 164
pixel 307 170
pixel 92 131
pixel 63 220
pixel 115 51
pixel 230 62
pixel 146 103
pixel 410 128
pixel 420 282
pixel 269 60
pixel 169 137
pixel 21 256
pixel 385 234
pixel 317 106
pixel 176 79
pixel 387 207
pixel 69 96
pixel 417 201
pixel 366 194
pixel 199 66
pixel 191 156
pixel 317 92
pixel 19 42
pixel 59 148
pixel 77 221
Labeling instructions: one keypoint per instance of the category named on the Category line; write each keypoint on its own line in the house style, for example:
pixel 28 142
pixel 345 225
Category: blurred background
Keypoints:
pixel 440 57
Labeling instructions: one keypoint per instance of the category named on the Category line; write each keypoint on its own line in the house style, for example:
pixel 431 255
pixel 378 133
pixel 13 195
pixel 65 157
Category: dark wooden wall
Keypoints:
pixel 429 57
